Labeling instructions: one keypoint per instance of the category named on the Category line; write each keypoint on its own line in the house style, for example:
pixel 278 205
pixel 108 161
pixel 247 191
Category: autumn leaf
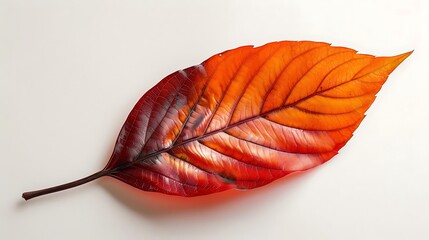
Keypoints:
pixel 244 118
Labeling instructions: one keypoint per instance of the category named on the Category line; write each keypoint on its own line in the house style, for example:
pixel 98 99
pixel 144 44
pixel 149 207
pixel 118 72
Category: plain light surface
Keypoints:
pixel 70 71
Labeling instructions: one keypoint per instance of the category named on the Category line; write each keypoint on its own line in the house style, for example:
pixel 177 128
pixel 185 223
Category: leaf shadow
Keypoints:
pixel 157 205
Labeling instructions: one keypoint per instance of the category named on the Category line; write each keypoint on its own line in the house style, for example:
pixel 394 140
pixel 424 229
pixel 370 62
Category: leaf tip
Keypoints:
pixel 403 56
pixel 395 61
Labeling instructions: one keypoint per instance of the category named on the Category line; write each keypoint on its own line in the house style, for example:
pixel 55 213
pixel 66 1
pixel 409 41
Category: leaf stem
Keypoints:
pixel 37 193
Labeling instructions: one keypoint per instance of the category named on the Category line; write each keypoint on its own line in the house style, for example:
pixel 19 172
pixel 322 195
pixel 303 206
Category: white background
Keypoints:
pixel 70 71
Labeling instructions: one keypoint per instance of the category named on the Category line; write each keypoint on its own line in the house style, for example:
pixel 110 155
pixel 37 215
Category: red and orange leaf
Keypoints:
pixel 244 118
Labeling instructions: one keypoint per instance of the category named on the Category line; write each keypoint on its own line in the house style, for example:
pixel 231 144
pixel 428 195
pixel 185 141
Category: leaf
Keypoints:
pixel 244 118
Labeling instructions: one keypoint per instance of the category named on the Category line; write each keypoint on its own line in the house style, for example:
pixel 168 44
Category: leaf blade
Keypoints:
pixel 248 116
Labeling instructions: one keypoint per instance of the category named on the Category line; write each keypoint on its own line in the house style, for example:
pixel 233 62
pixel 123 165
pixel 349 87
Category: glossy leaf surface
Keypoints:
pixel 246 117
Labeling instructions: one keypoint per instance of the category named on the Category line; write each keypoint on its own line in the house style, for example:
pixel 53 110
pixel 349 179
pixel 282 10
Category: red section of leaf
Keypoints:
pixel 244 118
